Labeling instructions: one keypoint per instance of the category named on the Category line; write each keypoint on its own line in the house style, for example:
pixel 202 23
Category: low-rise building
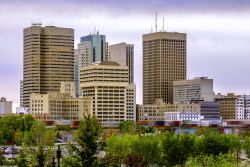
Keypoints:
pixel 59 106
pixel 197 89
pixel 5 106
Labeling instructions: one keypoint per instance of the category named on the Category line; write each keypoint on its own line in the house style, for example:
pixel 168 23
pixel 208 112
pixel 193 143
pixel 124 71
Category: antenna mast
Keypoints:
pixel 156 21
pixel 163 25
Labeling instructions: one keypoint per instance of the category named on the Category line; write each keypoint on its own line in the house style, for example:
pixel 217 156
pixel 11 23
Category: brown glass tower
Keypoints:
pixel 164 61
pixel 48 59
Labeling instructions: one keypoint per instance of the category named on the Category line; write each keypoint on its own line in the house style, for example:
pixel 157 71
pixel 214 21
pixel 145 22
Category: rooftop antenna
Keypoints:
pixel 156 21
pixel 163 25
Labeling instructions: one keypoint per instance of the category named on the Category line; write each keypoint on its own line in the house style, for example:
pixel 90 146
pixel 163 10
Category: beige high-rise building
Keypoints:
pixel 48 59
pixel 164 61
pixel 113 96
pixel 123 54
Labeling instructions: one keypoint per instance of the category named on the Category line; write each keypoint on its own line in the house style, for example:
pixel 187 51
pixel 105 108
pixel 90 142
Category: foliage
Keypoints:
pixel 177 148
pixel 22 160
pixel 86 143
pixel 246 145
pixel 222 160
pixel 127 127
pixel 118 148
pixel 213 143
pixel 147 150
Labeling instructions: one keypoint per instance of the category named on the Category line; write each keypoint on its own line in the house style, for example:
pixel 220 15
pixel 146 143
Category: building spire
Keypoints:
pixel 156 21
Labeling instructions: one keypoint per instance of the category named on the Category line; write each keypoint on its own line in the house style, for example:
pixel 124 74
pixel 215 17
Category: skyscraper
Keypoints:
pixel 123 54
pixel 48 59
pixel 92 48
pixel 164 61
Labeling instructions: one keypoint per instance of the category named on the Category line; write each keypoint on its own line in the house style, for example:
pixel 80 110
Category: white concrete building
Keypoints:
pixel 243 107
pixel 5 106
pixel 113 96
pixel 182 116
pixel 123 54
pixel 197 89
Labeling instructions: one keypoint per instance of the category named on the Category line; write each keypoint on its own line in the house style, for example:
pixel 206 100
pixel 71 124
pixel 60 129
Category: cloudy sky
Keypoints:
pixel 218 34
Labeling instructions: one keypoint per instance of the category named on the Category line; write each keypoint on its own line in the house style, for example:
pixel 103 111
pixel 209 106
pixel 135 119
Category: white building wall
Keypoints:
pixel 5 106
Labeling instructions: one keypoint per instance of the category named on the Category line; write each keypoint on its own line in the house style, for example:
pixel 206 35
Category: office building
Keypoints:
pixel 228 105
pixel 158 110
pixel 21 93
pixel 5 106
pixel 48 59
pixel 91 49
pixel 113 96
pixel 164 61
pixel 197 89
pixel 210 110
pixel 123 54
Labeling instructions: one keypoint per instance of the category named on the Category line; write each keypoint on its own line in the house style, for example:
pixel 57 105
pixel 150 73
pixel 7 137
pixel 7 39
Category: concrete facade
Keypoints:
pixel 197 89
pixel 5 106
pixel 113 96
pixel 123 54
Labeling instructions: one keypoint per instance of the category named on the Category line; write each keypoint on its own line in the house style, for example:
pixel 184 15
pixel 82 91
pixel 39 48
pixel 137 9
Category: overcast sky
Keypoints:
pixel 218 34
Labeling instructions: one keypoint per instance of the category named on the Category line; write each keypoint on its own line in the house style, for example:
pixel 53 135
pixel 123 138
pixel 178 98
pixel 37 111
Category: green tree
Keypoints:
pixel 118 148
pixel 127 127
pixel 177 148
pixel 22 160
pixel 246 145
pixel 147 150
pixel 85 148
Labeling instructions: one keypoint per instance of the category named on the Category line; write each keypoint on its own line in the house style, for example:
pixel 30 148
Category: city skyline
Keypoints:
pixel 218 33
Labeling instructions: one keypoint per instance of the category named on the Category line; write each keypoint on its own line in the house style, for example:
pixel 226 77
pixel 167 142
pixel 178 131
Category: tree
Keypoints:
pixel 22 160
pixel 86 146
pixel 127 127
pixel 118 148
pixel 147 151
pixel 246 145
pixel 177 148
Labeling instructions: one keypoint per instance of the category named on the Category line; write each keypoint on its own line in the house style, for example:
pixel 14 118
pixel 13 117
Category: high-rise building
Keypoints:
pixel 5 106
pixel 197 89
pixel 113 96
pixel 123 54
pixel 91 49
pixel 164 61
pixel 21 93
pixel 97 47
pixel 48 59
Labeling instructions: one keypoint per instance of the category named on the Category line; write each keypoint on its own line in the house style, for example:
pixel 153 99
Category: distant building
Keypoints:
pixel 113 96
pixel 228 105
pixel 123 54
pixel 197 89
pixel 159 110
pixel 55 106
pixel 234 106
pixel 22 110
pixel 5 106
pixel 182 116
pixel 48 59
pixel 210 110
pixel 164 61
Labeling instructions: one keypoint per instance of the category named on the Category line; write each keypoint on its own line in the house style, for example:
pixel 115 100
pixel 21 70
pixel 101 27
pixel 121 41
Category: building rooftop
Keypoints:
pixel 108 63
